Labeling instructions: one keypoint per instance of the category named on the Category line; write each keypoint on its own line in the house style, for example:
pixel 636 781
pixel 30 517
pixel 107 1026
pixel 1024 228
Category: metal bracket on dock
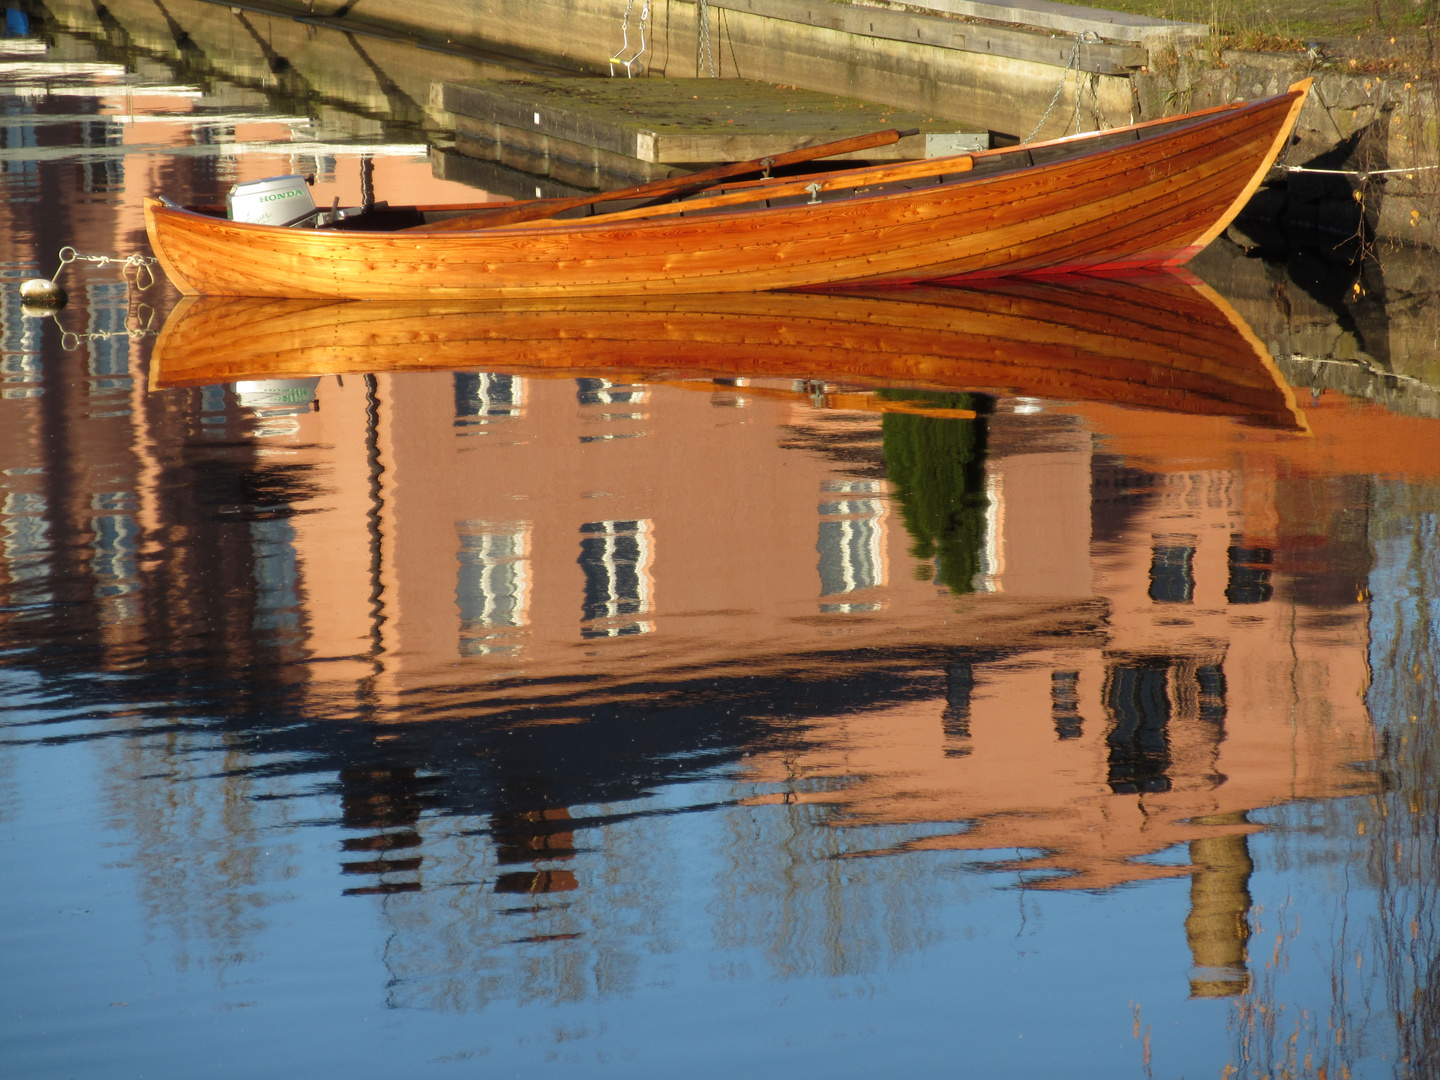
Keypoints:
pixel 624 58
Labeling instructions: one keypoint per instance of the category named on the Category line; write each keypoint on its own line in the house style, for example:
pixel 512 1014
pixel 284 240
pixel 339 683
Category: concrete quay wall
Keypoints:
pixel 356 84
pixel 1000 78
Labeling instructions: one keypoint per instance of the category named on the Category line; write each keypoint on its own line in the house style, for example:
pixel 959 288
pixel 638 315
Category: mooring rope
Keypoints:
pixel 71 340
pixel 1364 366
pixel 1363 174
pixel 140 264
pixel 39 295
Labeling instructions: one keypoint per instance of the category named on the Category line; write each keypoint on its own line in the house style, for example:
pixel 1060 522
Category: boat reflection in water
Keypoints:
pixel 1080 655
pixel 1161 340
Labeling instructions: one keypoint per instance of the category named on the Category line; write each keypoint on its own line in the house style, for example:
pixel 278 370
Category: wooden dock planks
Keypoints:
pixel 689 121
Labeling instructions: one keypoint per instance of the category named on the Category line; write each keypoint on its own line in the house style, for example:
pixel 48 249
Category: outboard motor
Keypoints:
pixel 276 200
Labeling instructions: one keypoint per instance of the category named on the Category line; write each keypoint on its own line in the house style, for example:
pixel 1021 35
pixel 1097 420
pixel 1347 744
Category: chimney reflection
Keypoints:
pixel 955 720
pixel 1218 926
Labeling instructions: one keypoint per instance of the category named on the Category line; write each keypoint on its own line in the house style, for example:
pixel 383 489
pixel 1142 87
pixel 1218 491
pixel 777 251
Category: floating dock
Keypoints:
pixel 604 133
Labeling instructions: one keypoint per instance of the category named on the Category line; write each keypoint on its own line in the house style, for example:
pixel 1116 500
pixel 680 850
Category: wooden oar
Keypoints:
pixel 753 191
pixel 675 187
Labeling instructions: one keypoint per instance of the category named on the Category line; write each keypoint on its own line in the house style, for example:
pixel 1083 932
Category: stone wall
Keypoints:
pixel 1353 123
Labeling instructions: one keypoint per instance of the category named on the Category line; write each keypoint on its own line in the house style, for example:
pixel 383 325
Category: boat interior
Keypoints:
pixel 810 182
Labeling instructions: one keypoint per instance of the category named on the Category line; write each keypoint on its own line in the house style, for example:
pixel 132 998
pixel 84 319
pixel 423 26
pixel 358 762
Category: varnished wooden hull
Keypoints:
pixel 1151 195
pixel 1157 340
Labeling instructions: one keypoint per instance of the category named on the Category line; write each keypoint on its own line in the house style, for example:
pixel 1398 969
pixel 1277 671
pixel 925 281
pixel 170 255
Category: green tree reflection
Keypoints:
pixel 937 468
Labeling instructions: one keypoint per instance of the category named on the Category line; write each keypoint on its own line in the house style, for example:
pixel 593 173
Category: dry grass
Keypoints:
pixel 1380 36
pixel 1282 18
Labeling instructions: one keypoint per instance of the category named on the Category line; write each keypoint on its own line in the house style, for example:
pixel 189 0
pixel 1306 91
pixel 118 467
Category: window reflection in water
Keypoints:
pixel 851 544
pixel 615 557
pixel 483 398
pixel 492 588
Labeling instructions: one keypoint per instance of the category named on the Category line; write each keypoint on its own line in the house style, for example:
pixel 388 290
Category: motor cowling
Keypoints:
pixel 276 200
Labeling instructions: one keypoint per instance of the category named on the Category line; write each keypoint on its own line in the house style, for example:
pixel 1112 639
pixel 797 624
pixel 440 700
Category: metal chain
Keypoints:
pixel 631 64
pixel 1080 89
pixel 706 56
pixel 624 40
pixel 1071 61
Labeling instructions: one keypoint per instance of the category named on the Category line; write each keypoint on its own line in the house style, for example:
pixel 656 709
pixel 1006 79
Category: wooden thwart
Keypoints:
pixel 843 400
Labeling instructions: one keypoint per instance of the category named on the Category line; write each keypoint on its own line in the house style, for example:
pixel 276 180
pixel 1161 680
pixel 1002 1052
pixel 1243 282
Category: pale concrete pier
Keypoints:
pixel 596 133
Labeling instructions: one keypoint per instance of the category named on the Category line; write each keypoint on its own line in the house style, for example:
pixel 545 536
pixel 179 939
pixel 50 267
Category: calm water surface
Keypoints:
pixel 1038 681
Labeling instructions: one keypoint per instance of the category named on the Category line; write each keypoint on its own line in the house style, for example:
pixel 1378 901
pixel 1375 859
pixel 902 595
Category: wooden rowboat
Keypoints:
pixel 1152 194
pixel 1160 340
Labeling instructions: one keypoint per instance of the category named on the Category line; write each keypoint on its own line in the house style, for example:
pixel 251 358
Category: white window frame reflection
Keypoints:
pixel 616 558
pixel 851 544
pixel 989 578
pixel 494 396
pixel 492 586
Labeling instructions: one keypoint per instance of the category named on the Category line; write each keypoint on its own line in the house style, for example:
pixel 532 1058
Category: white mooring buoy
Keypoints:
pixel 40 296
